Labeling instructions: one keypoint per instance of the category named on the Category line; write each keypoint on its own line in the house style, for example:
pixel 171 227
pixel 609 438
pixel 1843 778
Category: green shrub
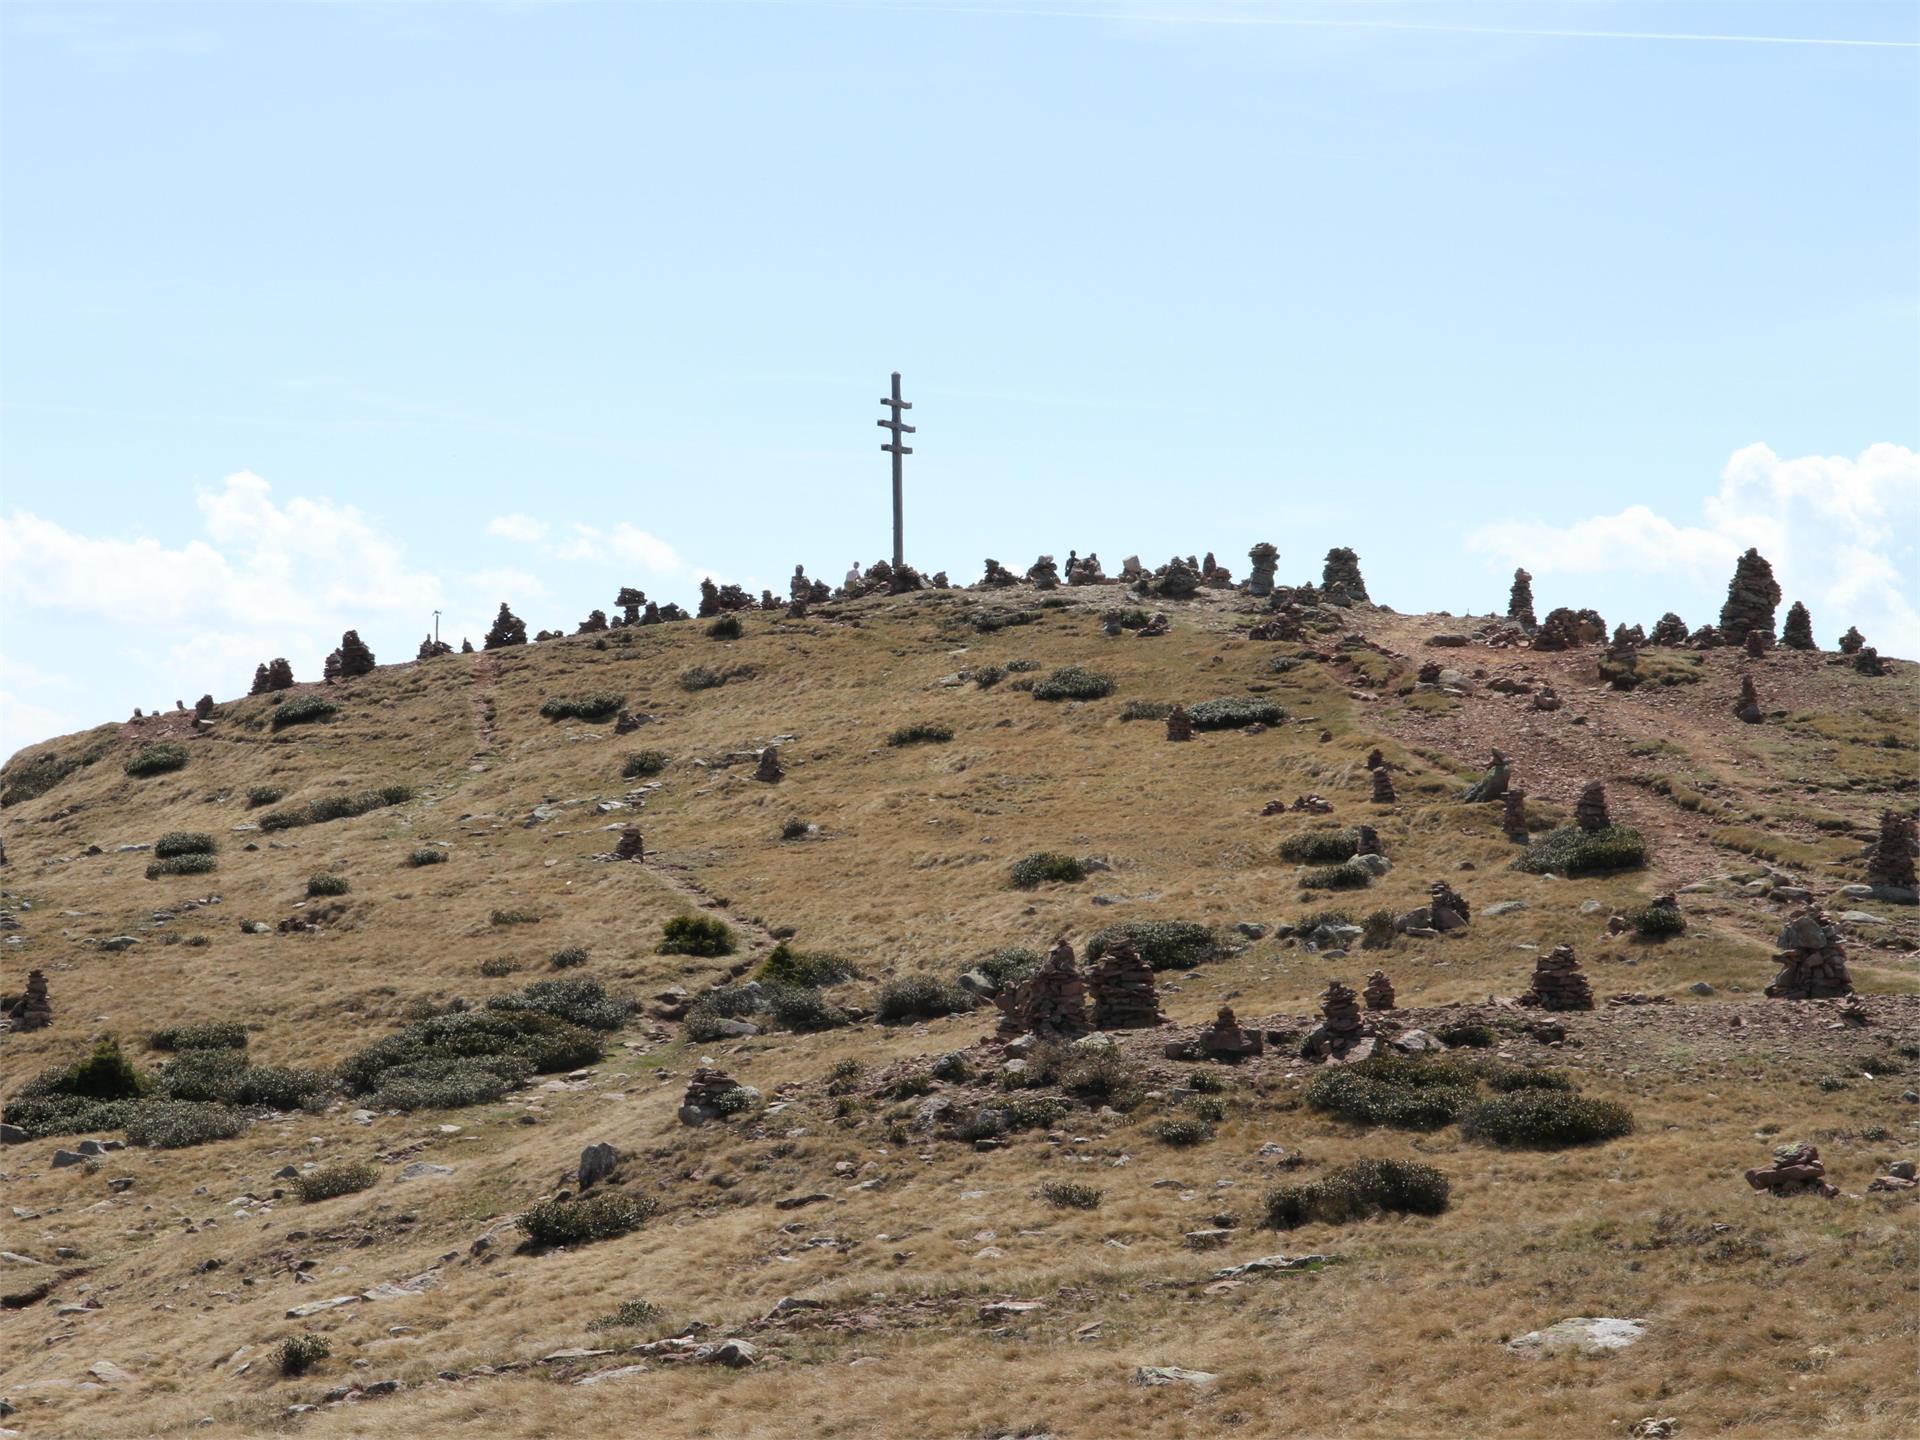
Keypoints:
pixel 787 966
pixel 1044 866
pixel 466 1058
pixel 567 957
pixel 1146 710
pixel 283 1087
pixel 1320 847
pixel 1572 851
pixel 45 1112
pixel 30 779
pixel 701 677
pixel 1008 967
pixel 582 707
pixel 322 884
pixel 642 763
pixel 704 935
pixel 630 1314
pixel 988 676
pixel 427 855
pixel 184 842
pixel 1106 1076
pixel 105 1074
pixel 156 759
pixel 1208 1082
pixel 578 1001
pixel 302 710
pixel 344 1178
pixel 1353 1192
pixel 919 997
pixel 1378 926
pixel 183 865
pixel 1233 713
pixel 1346 876
pixel 496 966
pixel 300 1353
pixel 1467 1034
pixel 1070 1195
pixel 1181 1131
pixel 176 1124
pixel 801 1008
pixel 1071 682
pixel 1546 1120
pixel 923 733
pixel 1510 1078
pixel 337 807
pixel 513 917
pixel 1021 667
pixel 1657 922
pixel 727 627
pixel 214 1035
pixel 1033 1112
pixel 1392 1090
pixel 602 1215
pixel 259 795
pixel 796 829
pixel 1163 944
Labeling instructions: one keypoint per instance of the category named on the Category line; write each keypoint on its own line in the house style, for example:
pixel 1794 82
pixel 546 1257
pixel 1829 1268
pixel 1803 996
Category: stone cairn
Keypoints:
pixel 1851 642
pixel 1520 602
pixel 630 846
pixel 1264 557
pixel 1756 645
pixel 1747 707
pixel 1513 819
pixel 1366 841
pixel 1383 786
pixel 1341 1028
pixel 1868 661
pixel 1156 626
pixel 769 769
pixel 1558 983
pixel 32 1011
pixel 702 1101
pixel 1051 1004
pixel 1378 992
pixel 1044 574
pixel 1669 630
pixel 1705 638
pixel 998 576
pixel 1812 959
pixel 1890 861
pixel 1590 810
pixel 1796 1170
pixel 1752 596
pixel 1179 724
pixel 1448 908
pixel 1375 760
pixel 1545 700
pixel 1340 578
pixel 1493 784
pixel 1120 984
pixel 1223 1040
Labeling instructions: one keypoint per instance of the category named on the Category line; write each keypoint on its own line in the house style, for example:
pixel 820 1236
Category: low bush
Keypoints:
pixel 466 1058
pixel 1102 1076
pixel 1208 1082
pixel 1378 926
pixel 727 627
pixel 1044 867
pixel 1657 922
pixel 581 1220
pixel 567 957
pixel 183 865
pixel 988 676
pixel 642 763
pixel 1007 967
pixel 578 1001
pixel 629 1315
pixel 1345 876
pixel 1181 1131
pixel 924 733
pixel 513 917
pixel 919 997
pixel 705 677
pixel 1070 1195
pixel 1465 1034
pixel 582 707
pixel 1146 710
pixel 1573 851
pixel 427 855
pixel 1392 1090
pixel 1233 713
pixel 1320 847
pixel 213 1035
pixel 1072 682
pixel 796 829
pixel 259 795
pixel 1510 1078
pixel 337 807
pixel 1033 1112
pixel 322 884
pixel 300 1353
pixel 801 1008
pixel 704 935
pixel 1354 1192
pixel 156 759
pixel 223 1076
pixel 1021 667
pixel 1546 1120
pixel 105 1074
pixel 30 779
pixel 787 966
pixel 498 965
pixel 953 1067
pixel 283 1087
pixel 184 842
pixel 344 1178
pixel 176 1124
pixel 302 710
pixel 1163 944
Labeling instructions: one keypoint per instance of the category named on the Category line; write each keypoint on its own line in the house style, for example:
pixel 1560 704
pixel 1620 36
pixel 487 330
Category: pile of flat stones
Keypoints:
pixel 1590 810
pixel 1558 983
pixel 1747 707
pixel 1051 1004
pixel 1378 992
pixel 1513 819
pixel 630 846
pixel 1120 984
pixel 1890 861
pixel 1812 959
pixel 1752 596
pixel 32 1011
pixel 1383 792
pixel 1341 1034
pixel 1179 724
pixel 703 1101
pixel 1796 1170
pixel 769 770
pixel 1225 1040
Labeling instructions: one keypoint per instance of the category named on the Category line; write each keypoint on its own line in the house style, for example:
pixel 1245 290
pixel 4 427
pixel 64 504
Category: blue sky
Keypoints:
pixel 335 314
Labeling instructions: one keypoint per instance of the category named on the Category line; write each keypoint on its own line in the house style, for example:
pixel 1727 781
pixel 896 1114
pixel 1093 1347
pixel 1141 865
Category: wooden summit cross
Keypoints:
pixel 896 449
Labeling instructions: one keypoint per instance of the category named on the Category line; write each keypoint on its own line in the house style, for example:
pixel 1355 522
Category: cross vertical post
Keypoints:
pixel 897 450
pixel 436 627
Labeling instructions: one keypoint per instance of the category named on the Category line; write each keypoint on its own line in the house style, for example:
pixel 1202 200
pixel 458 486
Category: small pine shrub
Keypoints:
pixel 1658 922
pixel 1572 851
pixel 300 1353
pixel 642 763
pixel 582 707
pixel 1181 1131
pixel 183 865
pixel 427 855
pixel 184 842
pixel 1163 944
pixel 1146 710
pixel 156 759
pixel 1465 1034
pixel 1070 1195
pixel 802 1008
pixel 919 997
pixel 496 966
pixel 176 1124
pixel 105 1074
pixel 214 1035
pixel 1072 682
pixel 1044 867
pixel 630 1315
pixel 567 957
pixel 988 676
pixel 1546 1120
pixel 602 1215
pixel 513 917
pixel 345 1178
pixel 322 884
pixel 1233 713
pixel 1354 1192
pixel 704 935
pixel 1347 876
pixel 259 795
pixel 727 627
pixel 1320 847
pixel 787 966
pixel 924 733
pixel 1510 1078
pixel 302 710
pixel 796 829
pixel 1391 1090
pixel 1008 967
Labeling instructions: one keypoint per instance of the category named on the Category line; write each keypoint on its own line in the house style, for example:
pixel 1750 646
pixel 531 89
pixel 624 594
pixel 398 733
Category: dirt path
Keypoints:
pixel 677 876
pixel 485 673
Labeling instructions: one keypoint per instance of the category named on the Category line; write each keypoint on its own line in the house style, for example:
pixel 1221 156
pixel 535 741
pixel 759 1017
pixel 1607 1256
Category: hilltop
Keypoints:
pixel 406 845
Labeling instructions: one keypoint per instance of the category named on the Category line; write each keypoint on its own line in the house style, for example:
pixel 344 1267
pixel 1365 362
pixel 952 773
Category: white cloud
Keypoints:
pixel 523 528
pixel 1840 533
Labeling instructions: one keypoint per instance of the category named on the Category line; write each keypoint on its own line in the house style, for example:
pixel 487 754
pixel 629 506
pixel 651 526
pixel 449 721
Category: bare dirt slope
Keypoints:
pixel 146 1290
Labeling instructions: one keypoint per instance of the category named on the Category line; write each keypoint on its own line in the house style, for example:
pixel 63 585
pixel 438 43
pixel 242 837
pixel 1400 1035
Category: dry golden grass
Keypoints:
pixel 1795 1318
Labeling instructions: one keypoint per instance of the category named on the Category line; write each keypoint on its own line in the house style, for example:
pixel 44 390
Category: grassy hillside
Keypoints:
pixel 1764 1316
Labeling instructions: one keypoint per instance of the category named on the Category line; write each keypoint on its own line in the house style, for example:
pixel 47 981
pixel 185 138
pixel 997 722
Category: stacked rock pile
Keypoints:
pixel 710 1095
pixel 1796 1170
pixel 32 1011
pixel 769 770
pixel 1513 819
pixel 1812 959
pixel 1890 861
pixel 1752 596
pixel 1051 1004
pixel 1341 1030
pixel 1558 983
pixel 630 846
pixel 1378 992
pixel 1120 985
pixel 1590 810
pixel 1747 707
pixel 1383 792
pixel 1179 724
